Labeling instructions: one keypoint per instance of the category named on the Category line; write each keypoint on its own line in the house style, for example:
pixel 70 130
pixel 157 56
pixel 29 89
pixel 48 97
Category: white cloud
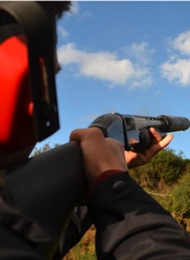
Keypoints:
pixel 139 51
pixel 75 7
pixel 104 66
pixel 177 68
pixel 75 10
pixel 182 43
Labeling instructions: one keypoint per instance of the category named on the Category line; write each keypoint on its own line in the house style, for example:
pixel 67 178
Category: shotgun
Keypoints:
pixel 132 130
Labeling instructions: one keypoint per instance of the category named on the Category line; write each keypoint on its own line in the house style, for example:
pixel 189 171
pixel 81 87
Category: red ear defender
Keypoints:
pixel 16 122
pixel 28 104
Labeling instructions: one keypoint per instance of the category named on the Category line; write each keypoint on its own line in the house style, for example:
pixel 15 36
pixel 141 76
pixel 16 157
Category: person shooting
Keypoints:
pixel 36 220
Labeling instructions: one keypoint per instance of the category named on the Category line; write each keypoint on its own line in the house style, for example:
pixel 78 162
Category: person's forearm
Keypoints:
pixel 131 225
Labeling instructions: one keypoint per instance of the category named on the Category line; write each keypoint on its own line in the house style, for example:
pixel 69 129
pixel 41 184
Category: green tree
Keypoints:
pixel 163 169
pixel 44 148
pixel 181 198
pixel 181 194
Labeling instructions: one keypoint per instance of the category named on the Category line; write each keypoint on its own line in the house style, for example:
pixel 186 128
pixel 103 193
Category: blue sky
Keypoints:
pixel 125 57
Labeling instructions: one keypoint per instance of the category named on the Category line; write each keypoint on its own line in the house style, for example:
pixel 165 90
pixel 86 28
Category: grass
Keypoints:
pixel 85 249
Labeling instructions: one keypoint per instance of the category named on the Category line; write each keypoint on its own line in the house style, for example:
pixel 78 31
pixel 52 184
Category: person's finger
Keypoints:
pixel 157 136
pixel 137 159
pixel 78 135
pixel 161 144
pixel 155 148
pixel 166 141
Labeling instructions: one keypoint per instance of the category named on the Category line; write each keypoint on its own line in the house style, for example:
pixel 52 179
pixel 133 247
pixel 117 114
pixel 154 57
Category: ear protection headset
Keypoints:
pixel 28 104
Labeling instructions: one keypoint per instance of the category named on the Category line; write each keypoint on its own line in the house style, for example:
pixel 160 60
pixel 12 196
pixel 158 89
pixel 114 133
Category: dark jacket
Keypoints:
pixel 130 224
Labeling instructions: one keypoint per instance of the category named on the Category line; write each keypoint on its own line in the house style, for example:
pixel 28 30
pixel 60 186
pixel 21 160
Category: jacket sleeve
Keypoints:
pixel 19 234
pixel 132 225
pixel 12 246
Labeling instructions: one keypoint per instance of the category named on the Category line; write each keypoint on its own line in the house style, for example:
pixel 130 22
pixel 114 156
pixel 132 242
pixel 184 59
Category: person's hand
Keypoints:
pixel 100 154
pixel 136 159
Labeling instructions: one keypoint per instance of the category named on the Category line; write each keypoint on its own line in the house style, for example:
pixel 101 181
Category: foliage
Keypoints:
pixel 40 150
pixel 176 198
pixel 181 199
pixel 43 149
pixel 164 168
pixel 85 249
pixel 181 195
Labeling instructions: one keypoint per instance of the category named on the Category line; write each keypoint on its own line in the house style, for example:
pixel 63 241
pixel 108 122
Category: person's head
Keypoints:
pixel 55 10
pixel 22 126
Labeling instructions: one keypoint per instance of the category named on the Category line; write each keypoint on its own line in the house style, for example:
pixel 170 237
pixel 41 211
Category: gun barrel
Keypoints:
pixel 174 123
pixel 163 122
